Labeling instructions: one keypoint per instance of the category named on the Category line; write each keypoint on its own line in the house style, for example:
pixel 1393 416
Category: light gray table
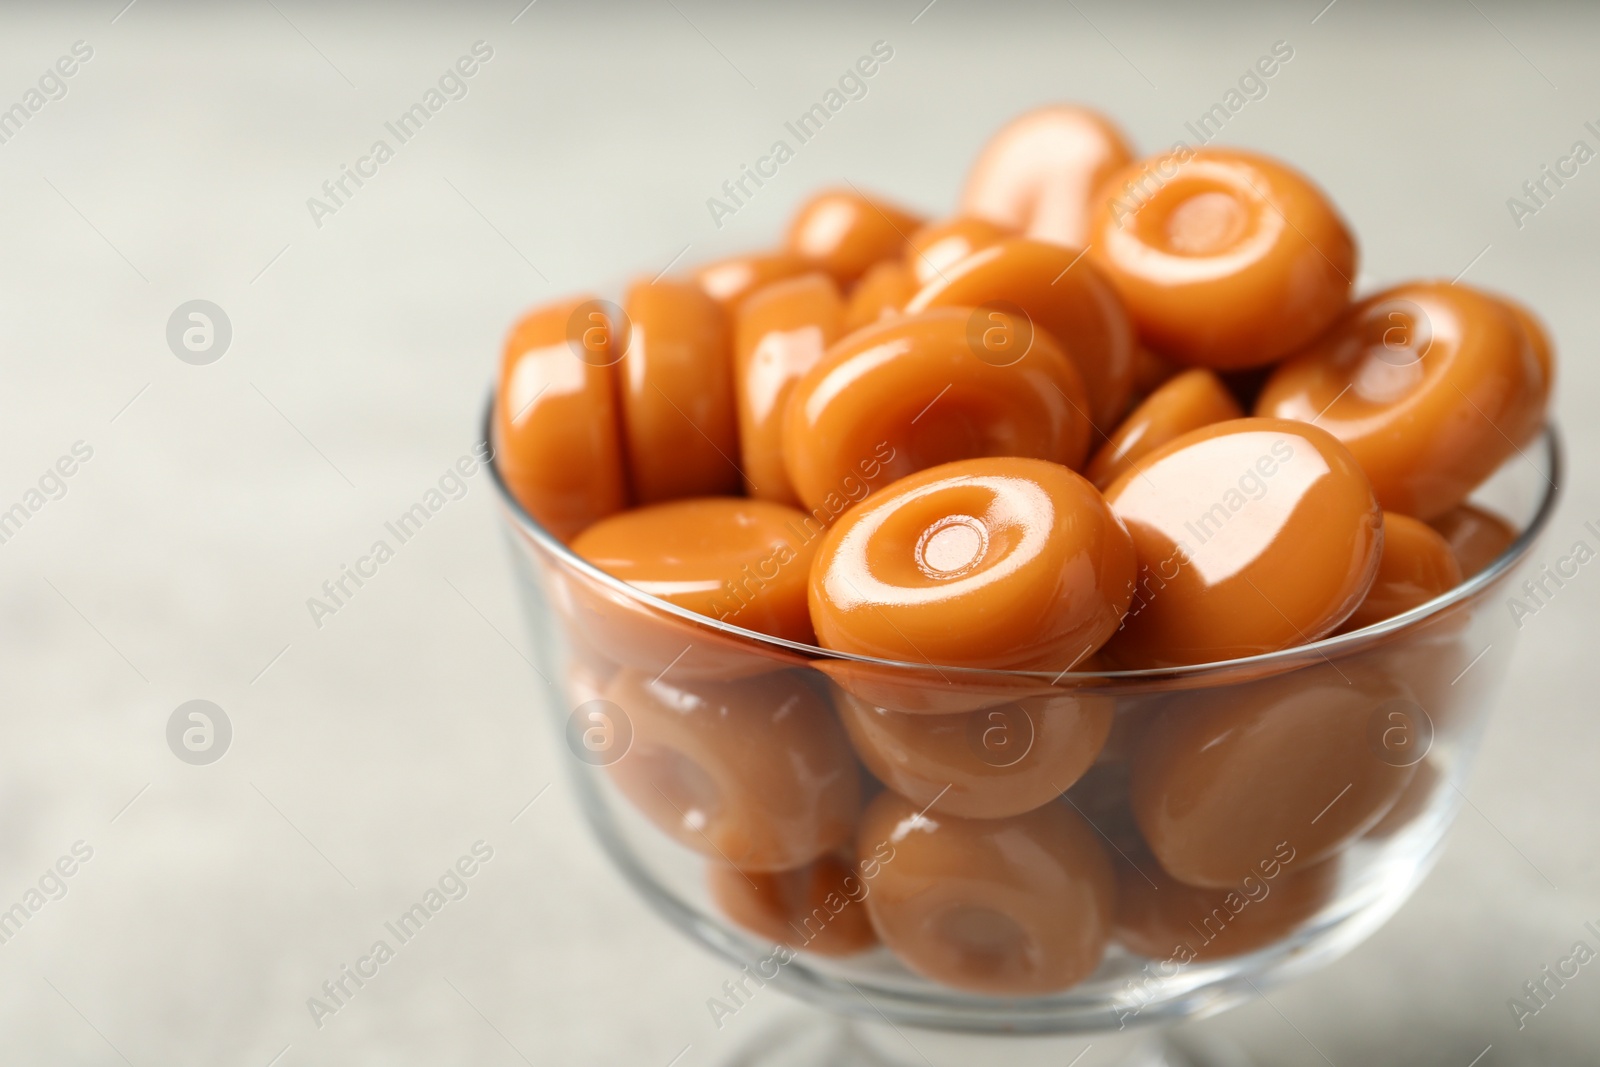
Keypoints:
pixel 371 752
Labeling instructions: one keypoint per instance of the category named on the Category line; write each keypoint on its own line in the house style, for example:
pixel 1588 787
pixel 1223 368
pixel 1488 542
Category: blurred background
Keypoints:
pixel 364 752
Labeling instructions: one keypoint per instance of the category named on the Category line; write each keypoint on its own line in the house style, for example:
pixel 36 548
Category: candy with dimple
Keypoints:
pixel 1003 907
pixel 743 562
pixel 999 563
pixel 780 333
pixel 817 907
pixel 1431 386
pixel 556 427
pixel 1415 566
pixel 1253 535
pixel 844 232
pixel 1226 259
pixel 1041 171
pixel 1187 402
pixel 1060 295
pixel 756 773
pixel 985 764
pixel 679 419
pixel 916 391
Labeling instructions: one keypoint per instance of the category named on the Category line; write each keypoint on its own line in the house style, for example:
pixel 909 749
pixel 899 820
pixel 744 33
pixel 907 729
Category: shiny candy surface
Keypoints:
pixel 917 391
pixel 1187 402
pixel 817 908
pixel 1226 259
pixel 881 293
pixel 1075 306
pixel 1004 907
pixel 1416 565
pixel 1431 385
pixel 1476 535
pixel 941 245
pixel 743 562
pixel 1041 171
pixel 729 281
pixel 679 419
pixel 1253 535
pixel 780 333
pixel 556 431
pixel 1003 563
pixel 844 232
pixel 756 773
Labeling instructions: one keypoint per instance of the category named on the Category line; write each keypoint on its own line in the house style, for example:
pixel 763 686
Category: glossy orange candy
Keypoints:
pixel 1416 565
pixel 1002 563
pixel 1226 259
pixel 844 233
pixel 880 293
pixel 1431 385
pixel 680 423
pixel 780 333
pixel 743 562
pixel 1041 171
pixel 1476 535
pixel 1002 907
pixel 1061 295
pixel 817 907
pixel 556 434
pixel 941 245
pixel 1187 402
pixel 919 390
pixel 755 773
pixel 729 281
pixel 1253 535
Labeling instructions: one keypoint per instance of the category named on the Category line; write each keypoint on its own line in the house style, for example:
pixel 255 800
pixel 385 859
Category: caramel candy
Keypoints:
pixel 1476 535
pixel 1226 259
pixel 780 333
pixel 756 773
pixel 729 281
pixel 1002 907
pixel 939 246
pixel 680 424
pixel 1253 535
pixel 1014 564
pixel 1415 566
pixel 1041 171
pixel 844 233
pixel 817 908
pixel 1061 295
pixel 910 393
pixel 743 562
pixel 1227 779
pixel 1193 399
pixel 556 435
pixel 881 293
pixel 1161 918
pixel 1430 385
pixel 986 764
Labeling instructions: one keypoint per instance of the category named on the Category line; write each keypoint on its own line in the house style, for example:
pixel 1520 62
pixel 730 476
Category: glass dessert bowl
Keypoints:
pixel 1017 853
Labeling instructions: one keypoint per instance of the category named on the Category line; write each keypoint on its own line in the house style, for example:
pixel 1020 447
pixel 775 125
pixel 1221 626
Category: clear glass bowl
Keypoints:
pixel 701 750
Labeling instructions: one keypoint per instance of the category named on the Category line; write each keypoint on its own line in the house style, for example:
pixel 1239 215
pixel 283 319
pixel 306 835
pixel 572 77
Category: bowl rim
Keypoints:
pixel 1553 474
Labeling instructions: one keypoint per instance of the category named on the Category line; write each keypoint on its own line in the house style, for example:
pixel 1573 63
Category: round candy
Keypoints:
pixel 756 773
pixel 1051 287
pixel 780 333
pixel 1003 907
pixel 1000 563
pixel 1431 385
pixel 817 908
pixel 1041 171
pixel 680 425
pixel 984 764
pixel 743 562
pixel 1253 535
pixel 1163 919
pixel 1226 259
pixel 556 435
pixel 844 233
pixel 1476 535
pixel 1287 770
pixel 1150 370
pixel 1416 565
pixel 729 281
pixel 920 390
pixel 880 293
pixel 941 245
pixel 1193 399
